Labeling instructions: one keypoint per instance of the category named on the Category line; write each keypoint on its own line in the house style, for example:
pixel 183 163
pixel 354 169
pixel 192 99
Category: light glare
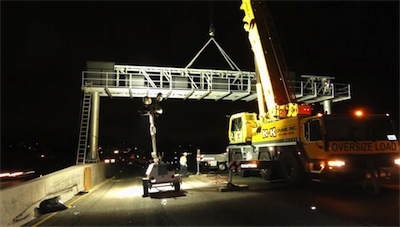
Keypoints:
pixel 4 175
pixel 359 113
pixel 336 163
pixel 16 174
pixel 248 166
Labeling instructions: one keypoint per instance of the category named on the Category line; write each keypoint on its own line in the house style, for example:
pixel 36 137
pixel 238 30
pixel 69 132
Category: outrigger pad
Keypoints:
pixel 233 187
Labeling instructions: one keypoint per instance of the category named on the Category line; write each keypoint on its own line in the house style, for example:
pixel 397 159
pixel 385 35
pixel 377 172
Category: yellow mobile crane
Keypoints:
pixel 286 139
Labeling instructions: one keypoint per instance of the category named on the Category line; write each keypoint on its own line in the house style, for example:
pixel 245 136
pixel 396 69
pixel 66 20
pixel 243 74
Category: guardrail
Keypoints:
pixel 18 204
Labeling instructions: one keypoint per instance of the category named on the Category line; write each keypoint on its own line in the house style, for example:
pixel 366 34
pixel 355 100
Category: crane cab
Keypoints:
pixel 242 127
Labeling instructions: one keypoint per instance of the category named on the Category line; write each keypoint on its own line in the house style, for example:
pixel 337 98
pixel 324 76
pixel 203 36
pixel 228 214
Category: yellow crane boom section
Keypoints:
pixel 272 92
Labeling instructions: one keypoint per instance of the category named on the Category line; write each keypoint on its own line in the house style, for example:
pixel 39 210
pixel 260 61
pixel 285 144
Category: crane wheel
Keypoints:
pixel 244 172
pixel 291 168
pixel 271 173
pixel 266 174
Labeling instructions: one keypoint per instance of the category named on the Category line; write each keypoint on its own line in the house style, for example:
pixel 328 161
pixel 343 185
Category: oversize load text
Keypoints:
pixel 363 146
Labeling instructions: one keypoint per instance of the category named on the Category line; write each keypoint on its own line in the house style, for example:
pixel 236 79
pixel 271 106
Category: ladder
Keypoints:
pixel 84 129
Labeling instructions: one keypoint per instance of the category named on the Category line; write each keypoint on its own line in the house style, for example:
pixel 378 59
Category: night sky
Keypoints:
pixel 45 46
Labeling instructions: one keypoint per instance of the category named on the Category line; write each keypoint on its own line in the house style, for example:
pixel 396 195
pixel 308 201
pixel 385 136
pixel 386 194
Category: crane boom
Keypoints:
pixel 271 70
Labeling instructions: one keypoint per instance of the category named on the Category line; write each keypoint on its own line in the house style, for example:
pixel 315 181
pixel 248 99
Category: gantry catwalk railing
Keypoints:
pixel 190 83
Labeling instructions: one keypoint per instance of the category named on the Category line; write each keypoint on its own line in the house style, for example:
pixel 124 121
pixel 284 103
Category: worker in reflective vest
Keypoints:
pixel 183 164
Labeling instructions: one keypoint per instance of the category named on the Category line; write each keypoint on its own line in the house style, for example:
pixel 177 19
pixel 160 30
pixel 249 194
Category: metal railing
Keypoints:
pixel 132 81
pixel 314 89
pixel 189 83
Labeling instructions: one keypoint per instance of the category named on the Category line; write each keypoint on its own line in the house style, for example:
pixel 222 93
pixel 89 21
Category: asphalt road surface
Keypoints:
pixel 119 202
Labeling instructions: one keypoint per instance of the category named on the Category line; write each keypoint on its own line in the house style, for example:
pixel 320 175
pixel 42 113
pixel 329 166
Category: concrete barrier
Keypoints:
pixel 18 204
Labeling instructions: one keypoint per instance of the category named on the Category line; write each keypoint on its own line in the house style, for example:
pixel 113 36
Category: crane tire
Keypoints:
pixel 244 172
pixel 291 168
pixel 266 174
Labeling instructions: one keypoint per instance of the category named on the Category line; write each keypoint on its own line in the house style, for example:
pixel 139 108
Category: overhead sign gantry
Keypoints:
pixel 106 79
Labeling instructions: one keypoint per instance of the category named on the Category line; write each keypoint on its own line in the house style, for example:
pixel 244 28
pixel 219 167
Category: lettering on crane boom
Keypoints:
pixel 277 132
pixel 364 146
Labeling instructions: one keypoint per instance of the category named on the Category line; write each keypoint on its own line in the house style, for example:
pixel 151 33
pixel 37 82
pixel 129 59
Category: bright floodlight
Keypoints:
pixel 147 100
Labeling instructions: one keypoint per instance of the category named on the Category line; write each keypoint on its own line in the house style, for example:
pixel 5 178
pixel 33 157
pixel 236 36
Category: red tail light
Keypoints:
pixel 304 110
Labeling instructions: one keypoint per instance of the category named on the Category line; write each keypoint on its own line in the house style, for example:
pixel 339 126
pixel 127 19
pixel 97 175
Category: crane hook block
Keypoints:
pixel 211 31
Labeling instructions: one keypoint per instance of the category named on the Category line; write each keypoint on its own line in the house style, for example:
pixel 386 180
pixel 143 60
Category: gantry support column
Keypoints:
pixel 327 107
pixel 94 127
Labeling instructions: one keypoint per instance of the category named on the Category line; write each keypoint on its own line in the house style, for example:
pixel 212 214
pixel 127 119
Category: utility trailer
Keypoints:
pixel 161 175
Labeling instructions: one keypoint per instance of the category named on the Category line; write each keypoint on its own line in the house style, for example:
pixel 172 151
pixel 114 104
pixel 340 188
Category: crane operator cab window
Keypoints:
pixel 237 124
pixel 312 130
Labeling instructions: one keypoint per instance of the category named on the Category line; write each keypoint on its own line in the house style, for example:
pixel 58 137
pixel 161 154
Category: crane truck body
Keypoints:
pixel 288 140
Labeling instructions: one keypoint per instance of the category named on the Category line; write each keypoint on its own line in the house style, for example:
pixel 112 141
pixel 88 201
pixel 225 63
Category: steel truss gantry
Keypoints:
pixel 178 83
pixel 189 83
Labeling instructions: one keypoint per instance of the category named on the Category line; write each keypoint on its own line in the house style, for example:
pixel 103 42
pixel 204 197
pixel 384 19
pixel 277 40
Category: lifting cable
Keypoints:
pixel 211 33
pixel 223 53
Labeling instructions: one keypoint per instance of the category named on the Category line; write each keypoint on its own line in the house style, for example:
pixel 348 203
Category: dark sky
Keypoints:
pixel 45 46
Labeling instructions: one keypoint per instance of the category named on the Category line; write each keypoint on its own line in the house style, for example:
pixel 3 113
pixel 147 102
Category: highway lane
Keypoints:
pixel 119 202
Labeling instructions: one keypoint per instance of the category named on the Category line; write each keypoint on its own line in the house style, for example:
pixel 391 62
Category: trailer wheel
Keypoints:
pixel 145 183
pixel 292 171
pixel 177 186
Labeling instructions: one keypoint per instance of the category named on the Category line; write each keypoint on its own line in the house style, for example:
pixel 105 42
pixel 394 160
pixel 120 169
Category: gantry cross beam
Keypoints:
pixel 190 83
pixel 176 83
